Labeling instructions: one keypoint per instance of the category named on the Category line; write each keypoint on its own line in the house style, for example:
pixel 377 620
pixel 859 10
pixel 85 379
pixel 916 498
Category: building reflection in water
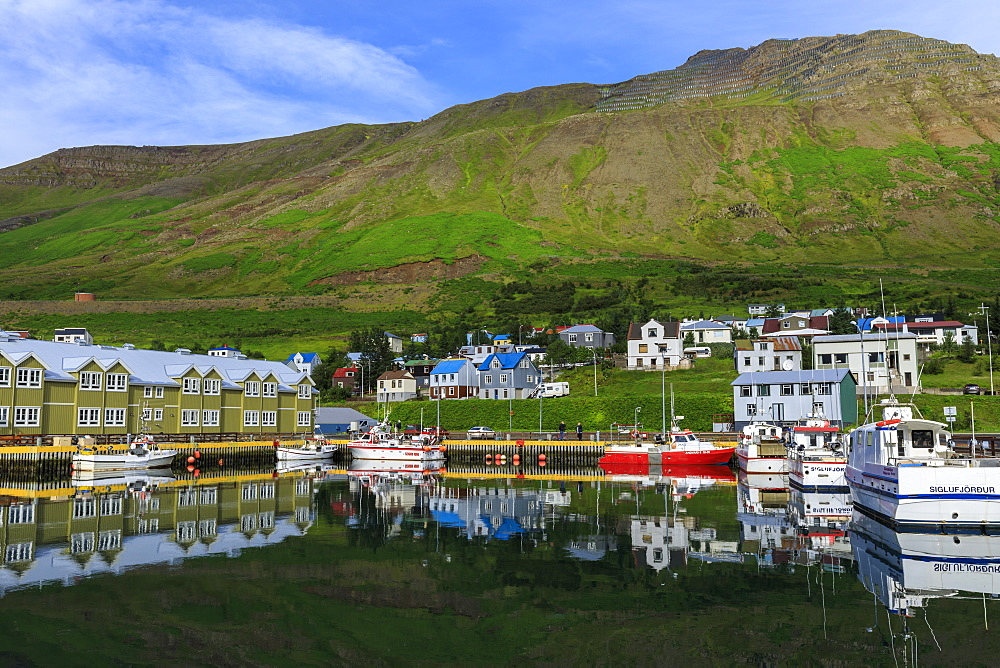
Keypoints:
pixel 65 530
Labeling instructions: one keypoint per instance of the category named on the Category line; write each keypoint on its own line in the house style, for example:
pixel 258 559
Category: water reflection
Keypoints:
pixel 61 531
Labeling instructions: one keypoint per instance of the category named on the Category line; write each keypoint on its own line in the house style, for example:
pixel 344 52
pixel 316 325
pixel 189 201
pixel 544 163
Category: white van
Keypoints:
pixel 698 351
pixel 555 389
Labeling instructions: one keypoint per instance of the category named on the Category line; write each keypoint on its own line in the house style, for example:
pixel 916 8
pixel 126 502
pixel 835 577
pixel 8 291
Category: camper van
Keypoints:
pixel 697 351
pixel 555 389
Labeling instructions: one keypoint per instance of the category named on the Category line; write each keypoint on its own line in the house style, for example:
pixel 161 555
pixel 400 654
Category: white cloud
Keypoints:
pixel 82 72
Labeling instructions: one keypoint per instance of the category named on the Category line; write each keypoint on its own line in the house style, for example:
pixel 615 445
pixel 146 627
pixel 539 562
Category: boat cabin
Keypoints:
pixel 891 440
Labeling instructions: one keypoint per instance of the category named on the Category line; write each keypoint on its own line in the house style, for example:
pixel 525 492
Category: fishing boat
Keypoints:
pixel 760 449
pixel 142 453
pixel 904 471
pixel 678 447
pixel 381 443
pixel 317 448
pixel 108 480
pixel 816 458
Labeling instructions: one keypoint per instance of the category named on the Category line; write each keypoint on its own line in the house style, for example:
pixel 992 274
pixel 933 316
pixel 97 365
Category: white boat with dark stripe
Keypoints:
pixel 904 470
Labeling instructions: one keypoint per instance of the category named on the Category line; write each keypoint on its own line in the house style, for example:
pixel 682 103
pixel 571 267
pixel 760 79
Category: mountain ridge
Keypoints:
pixel 903 169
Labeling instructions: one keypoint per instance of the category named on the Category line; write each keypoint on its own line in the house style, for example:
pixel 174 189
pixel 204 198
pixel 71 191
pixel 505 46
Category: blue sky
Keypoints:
pixel 172 72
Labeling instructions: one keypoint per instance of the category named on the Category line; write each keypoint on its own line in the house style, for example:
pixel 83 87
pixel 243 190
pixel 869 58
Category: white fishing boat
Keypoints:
pixel 142 453
pixel 318 448
pixel 382 443
pixel 904 470
pixel 760 449
pixel 137 479
pixel 815 454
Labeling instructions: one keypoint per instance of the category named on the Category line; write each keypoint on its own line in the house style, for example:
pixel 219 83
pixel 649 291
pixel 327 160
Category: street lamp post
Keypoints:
pixel 989 341
pixel 663 392
pixel 635 421
pixel 594 351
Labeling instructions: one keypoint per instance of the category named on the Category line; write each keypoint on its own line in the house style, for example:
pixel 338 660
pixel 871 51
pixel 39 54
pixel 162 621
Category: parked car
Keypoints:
pixel 481 432
pixel 971 388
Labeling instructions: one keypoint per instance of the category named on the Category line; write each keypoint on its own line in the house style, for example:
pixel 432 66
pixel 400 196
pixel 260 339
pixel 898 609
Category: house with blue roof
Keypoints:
pixel 454 378
pixel 508 376
pixel 707 331
pixel 304 362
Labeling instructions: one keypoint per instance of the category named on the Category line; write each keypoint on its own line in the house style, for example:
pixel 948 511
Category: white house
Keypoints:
pixel 707 331
pixel 395 342
pixel 304 362
pixel 653 345
pixel 782 353
pixel 72 335
pixel 879 362
pixel 932 333
pixel 396 386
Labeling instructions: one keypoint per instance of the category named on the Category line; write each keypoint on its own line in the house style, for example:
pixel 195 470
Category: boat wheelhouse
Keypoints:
pixel 816 458
pixel 761 449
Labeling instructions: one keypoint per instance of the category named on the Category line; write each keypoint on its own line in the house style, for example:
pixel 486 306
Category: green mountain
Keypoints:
pixel 808 160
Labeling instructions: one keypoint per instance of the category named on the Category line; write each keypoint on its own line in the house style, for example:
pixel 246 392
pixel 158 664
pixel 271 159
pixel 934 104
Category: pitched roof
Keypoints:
pixel 775 377
pixel 396 375
pixel 450 365
pixel 507 360
pixel 702 325
pixel 580 329
pixel 892 326
pixel 786 343
pixel 308 358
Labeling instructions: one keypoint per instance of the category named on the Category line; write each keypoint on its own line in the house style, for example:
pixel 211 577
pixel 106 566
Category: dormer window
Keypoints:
pixel 495 364
pixel 651 333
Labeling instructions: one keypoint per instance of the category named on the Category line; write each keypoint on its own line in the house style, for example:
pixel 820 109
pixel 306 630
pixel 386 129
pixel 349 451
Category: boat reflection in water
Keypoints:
pixel 64 530
pixel 907 570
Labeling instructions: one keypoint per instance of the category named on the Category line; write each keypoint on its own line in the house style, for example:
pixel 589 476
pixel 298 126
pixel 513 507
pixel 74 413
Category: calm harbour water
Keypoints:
pixel 571 567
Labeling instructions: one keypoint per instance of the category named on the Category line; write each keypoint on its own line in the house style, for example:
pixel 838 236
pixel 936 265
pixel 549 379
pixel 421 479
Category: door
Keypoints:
pixel 778 412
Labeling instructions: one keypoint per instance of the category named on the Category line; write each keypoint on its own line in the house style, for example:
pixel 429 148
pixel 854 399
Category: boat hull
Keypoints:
pixel 396 453
pixel 814 475
pixel 752 464
pixel 935 496
pixel 288 454
pixel 123 462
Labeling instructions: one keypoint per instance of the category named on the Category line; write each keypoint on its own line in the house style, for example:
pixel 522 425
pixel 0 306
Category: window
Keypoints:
pixel 745 390
pixel 90 380
pixel 505 394
pixel 589 338
pixel 271 390
pixel 786 390
pixel 495 364
pixel 88 417
pixel 746 361
pixel 651 333
pixel 4 376
pixel 117 382
pixel 451 391
pixel 763 390
pixel 147 392
pixel 751 409
pixel 189 418
pixel 503 378
pixel 525 363
pixel 251 418
pixel 269 418
pixel 29 377
pixel 191 385
pixel 210 419
pixel 114 417
pixel 572 338
pixel 823 388
pixel 805 389
pixel 760 361
pixel 251 388
pixel 157 414
pixel 487 379
pixel 529 379
pixel 159 393
pixel 4 415
pixel 825 359
pixel 147 414
pixel 840 358
pixel 875 358
pixel 23 513
pixel 906 357
pixel 451 378
pixel 643 348
pixel 305 391
pixel 305 419
pixel 212 386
